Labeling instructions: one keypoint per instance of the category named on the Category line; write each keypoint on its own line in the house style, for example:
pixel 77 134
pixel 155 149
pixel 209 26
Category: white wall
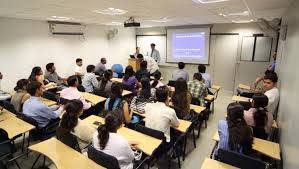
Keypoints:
pixel 26 43
pixel 289 81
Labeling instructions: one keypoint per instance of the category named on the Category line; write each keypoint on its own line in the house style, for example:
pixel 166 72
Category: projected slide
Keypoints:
pixel 188 45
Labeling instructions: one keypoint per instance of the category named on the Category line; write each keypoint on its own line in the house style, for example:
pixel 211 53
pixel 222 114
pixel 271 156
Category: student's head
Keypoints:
pixel 21 84
pixel 181 65
pixel 50 67
pixel 35 88
pixel 112 124
pixel 239 133
pixel 197 76
pixel 103 60
pixel 108 74
pixel 201 68
pixel 137 49
pixel 162 94
pixel 36 71
pixel 181 86
pixel 270 81
pixel 140 56
pixel 143 65
pixel 129 72
pixel 157 77
pixel 73 109
pixel 90 68
pixel 269 71
pixel 145 91
pixel 179 97
pixel 116 92
pixel 79 61
pixel 1 76
pixel 153 46
pixel 73 81
pixel 259 100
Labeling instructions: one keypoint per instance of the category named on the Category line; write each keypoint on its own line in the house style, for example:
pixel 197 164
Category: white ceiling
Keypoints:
pixel 181 12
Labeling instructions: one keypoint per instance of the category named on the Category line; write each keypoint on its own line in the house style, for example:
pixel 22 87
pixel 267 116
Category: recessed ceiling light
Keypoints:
pixel 161 20
pixel 112 23
pixel 111 11
pixel 220 14
pixel 208 1
pixel 245 13
pixel 242 21
pixel 59 18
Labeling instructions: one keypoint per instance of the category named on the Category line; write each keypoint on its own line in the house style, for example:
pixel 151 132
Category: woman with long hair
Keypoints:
pixel 156 83
pixel 36 75
pixel 129 80
pixel 234 133
pixel 104 88
pixel 109 142
pixel 21 95
pixel 181 98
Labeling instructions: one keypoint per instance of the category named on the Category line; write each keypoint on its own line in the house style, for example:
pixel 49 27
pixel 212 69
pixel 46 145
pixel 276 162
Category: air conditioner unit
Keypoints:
pixel 66 28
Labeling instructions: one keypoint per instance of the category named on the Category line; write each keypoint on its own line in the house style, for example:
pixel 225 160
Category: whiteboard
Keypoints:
pixel 144 42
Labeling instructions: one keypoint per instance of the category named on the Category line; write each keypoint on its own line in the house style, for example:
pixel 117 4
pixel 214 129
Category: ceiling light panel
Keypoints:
pixel 111 11
pixel 208 1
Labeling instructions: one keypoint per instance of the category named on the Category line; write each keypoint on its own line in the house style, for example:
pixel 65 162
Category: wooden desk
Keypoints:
pixel 15 126
pixel 48 102
pixel 94 99
pixel 126 92
pixel 215 87
pixel 242 86
pixel 196 108
pixel 146 143
pixel 120 80
pixel 265 147
pixel 6 115
pixel 213 164
pixel 63 156
pixel 209 98
pixel 240 99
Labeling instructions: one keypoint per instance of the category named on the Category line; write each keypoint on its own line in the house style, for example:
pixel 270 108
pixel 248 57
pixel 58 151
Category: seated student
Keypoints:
pixel 205 76
pixel 159 115
pixel 117 70
pixel 72 92
pixel 156 83
pixel 270 81
pixel 144 96
pixel 104 88
pixel 198 89
pixel 181 99
pixel 78 69
pixel 142 72
pixel 70 122
pixel 129 80
pixel 21 95
pixel 152 65
pixel 116 101
pixel 89 80
pixel 36 109
pixel 234 133
pixel 80 87
pixel 258 117
pixel 37 75
pixel 51 74
pixel 108 141
pixel 180 73
pixel 100 67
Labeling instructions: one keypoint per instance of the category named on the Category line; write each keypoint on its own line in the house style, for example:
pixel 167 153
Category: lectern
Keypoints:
pixel 135 63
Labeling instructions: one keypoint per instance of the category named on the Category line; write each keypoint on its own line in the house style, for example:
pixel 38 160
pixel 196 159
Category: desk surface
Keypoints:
pixel 196 108
pixel 213 164
pixel 242 86
pixel 240 99
pixel 209 98
pixel 48 102
pixel 6 115
pixel 265 147
pixel 63 156
pixel 126 92
pixel 146 143
pixel 215 87
pixel 15 126
pixel 94 99
pixel 120 80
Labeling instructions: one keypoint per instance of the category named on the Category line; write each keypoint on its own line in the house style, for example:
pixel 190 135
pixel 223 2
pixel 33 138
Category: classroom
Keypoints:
pixel 135 84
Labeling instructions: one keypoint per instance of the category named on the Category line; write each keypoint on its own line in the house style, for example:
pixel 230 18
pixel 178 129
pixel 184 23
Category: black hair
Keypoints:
pixel 139 56
pixel 78 60
pixel 271 76
pixel 32 87
pixel 103 59
pixel 240 133
pixel 201 68
pixel 71 81
pixel 49 66
pixel 260 102
pixel 128 72
pixel 112 123
pixel 197 76
pixel 21 84
pixel 116 92
pixel 162 94
pixel 3 135
pixel 69 119
pixel 269 71
pixel 152 44
pixel 179 98
pixel 181 65
pixel 145 92
pixel 90 68
pixel 157 76
pixel 143 65
pixel 35 71
pixel 106 77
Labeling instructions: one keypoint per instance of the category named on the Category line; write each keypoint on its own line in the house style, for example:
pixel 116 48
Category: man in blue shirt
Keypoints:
pixel 180 73
pixel 36 109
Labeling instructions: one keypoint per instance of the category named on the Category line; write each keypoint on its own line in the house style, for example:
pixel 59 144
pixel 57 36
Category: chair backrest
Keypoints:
pixel 50 96
pixel 151 132
pixel 8 106
pixel 29 120
pixel 102 159
pixel 68 139
pixel 240 160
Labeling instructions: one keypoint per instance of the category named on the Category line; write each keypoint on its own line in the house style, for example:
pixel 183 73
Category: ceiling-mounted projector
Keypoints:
pixel 131 23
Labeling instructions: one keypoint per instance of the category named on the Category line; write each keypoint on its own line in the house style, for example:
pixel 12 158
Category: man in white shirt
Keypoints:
pixel 159 116
pixel 78 69
pixel 155 53
pixel 207 78
pixel 152 65
pixel 89 81
pixel 272 92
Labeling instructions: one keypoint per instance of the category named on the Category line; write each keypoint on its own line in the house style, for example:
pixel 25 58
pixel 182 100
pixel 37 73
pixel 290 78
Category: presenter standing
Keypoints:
pixel 155 53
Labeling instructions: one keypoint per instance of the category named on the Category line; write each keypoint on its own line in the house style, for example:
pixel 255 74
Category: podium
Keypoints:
pixel 135 63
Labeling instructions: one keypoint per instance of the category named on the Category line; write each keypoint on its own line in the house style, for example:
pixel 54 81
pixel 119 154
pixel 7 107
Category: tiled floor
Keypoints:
pixel 194 157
